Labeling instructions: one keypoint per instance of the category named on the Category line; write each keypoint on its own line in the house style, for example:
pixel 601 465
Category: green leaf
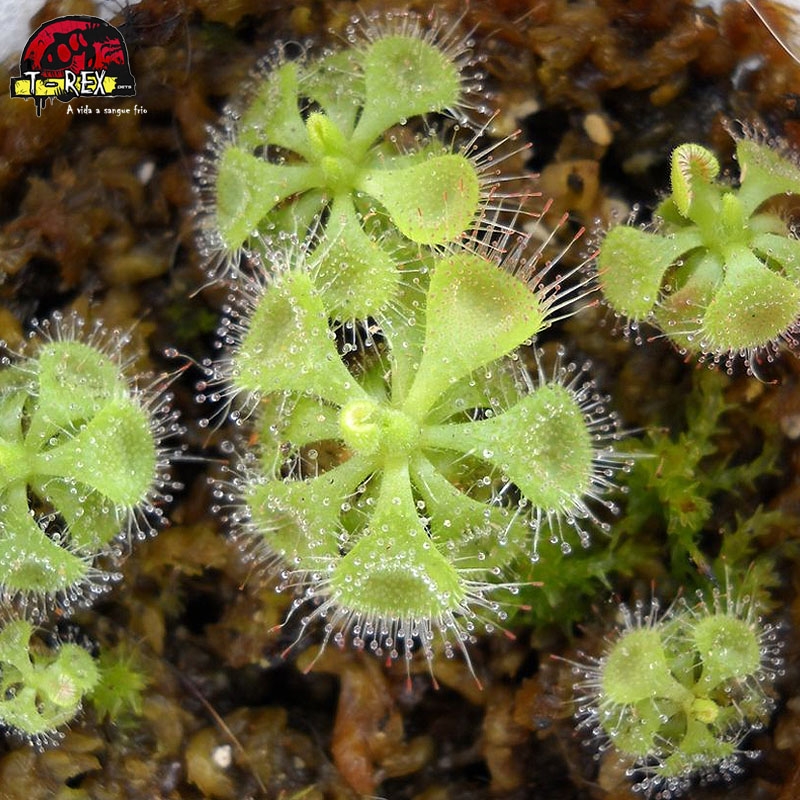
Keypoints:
pixel 765 173
pixel 114 453
pixel 680 312
pixel 14 638
pixel 30 561
pixel 289 347
pixel 404 76
pixel 272 116
pixel 75 381
pixel 403 321
pixel 634 727
pixel 355 275
pixel 698 749
pixel 12 404
pixel 691 166
pixel 335 82
pixel 476 313
pixel 92 521
pixel 431 202
pixel 636 669
pixel 395 571
pixel 495 387
pixel 469 527
pixel 752 308
pixel 300 519
pixel 299 215
pixel 633 263
pixel 16 462
pixel 248 188
pixel 782 252
pixel 307 420
pixel 542 444
pixel 729 649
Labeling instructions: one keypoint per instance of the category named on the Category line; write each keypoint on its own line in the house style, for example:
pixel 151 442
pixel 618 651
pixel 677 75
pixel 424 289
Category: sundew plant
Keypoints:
pixel 67 408
pixel 677 693
pixel 718 272
pixel 84 468
pixel 313 144
pixel 407 452
pixel 397 483
pixel 42 687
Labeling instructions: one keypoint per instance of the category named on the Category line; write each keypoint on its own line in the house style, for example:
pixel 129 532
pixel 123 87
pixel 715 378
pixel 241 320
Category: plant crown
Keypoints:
pixel 677 693
pixel 718 274
pixel 42 688
pixel 83 468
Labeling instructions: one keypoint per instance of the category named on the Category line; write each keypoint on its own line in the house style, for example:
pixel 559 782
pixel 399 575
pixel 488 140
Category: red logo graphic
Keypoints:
pixel 75 56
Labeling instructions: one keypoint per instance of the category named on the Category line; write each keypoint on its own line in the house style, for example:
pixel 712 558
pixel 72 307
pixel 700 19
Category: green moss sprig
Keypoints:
pixel 718 273
pixel 682 480
pixel 121 682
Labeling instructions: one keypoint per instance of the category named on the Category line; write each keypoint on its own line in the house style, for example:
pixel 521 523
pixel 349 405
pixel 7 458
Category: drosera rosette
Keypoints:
pixel 48 678
pixel 344 136
pixel 42 685
pixel 398 475
pixel 677 693
pixel 85 453
pixel 717 273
